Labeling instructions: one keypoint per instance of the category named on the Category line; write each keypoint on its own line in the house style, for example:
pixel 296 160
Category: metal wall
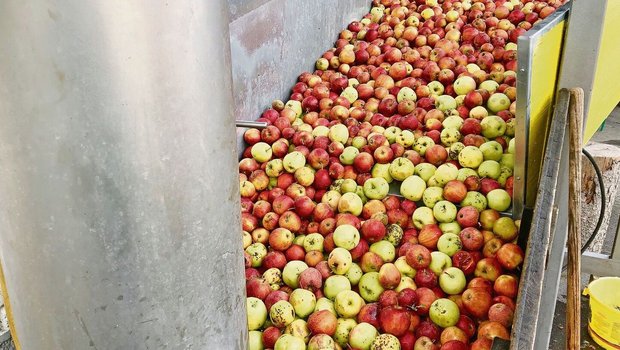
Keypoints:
pixel 273 41
pixel 119 223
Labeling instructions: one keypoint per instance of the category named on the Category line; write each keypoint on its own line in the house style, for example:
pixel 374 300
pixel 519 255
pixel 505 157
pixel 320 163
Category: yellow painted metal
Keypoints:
pixel 547 54
pixel 9 310
pixel 605 90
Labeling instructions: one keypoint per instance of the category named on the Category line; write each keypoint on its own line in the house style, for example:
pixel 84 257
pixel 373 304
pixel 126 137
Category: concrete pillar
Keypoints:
pixel 119 212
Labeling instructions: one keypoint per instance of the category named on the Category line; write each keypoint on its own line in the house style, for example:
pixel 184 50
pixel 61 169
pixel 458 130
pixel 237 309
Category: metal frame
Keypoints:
pixel 524 88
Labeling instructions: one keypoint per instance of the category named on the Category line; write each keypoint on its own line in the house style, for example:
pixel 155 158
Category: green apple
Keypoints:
pixel 348 155
pixel 436 88
pixel 289 342
pixel 401 168
pixel 511 146
pixel 335 284
pixel 412 188
pixel 453 122
pixel 478 112
pixel 492 150
pixel 450 227
pixel 405 138
pixel 257 252
pixel 359 142
pixel 504 174
pixel 439 262
pixel 282 313
pixel 350 203
pixel 507 160
pixel 362 336
pixel 346 236
pixel 490 169
pixel 464 173
pixel 449 243
pixel 405 282
pixel 470 157
pixel 445 173
pixel 505 228
pixel 273 276
pixel 423 216
pixel 384 249
pixel 255 340
pixel 460 99
pixel 464 84
pixel 381 171
pixel 444 211
pixel 295 106
pixel 350 93
pixel 293 161
pixel 444 312
pixel 498 199
pixel 455 149
pixel 320 130
pixel 274 168
pixel 450 136
pixel 422 144
pixel 376 188
pixel 406 94
pixel 343 329
pixel 298 329
pixel 313 242
pixel 339 261
pixel 348 185
pixel 391 133
pixel 404 268
pixel 359 191
pixel 321 342
pixel 498 102
pixel 432 195
pixel 432 182
pixel 445 102
pixel 348 303
pixel 261 152
pixel 511 126
pixel 257 313
pixel 325 304
pixel 394 234
pixel 489 85
pixel 425 170
pixel 475 199
pixel 338 133
pixel 369 287
pixel 354 274
pixel 493 126
pixel 303 302
pixel 385 341
pixel 299 240
pixel 291 272
pixel 452 281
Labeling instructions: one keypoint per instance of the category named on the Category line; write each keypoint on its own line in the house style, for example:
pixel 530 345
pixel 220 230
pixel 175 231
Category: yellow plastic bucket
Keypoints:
pixel 604 326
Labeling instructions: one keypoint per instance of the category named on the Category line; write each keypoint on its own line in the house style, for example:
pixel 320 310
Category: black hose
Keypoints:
pixel 601 215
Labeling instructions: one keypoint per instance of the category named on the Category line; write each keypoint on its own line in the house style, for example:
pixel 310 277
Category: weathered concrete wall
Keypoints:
pixel 273 41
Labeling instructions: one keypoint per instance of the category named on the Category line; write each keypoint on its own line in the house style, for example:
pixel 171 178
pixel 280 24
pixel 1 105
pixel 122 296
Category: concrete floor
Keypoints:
pixel 610 134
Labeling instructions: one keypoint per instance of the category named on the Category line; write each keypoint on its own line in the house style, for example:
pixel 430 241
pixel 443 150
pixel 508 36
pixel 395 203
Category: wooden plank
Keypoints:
pixel 573 309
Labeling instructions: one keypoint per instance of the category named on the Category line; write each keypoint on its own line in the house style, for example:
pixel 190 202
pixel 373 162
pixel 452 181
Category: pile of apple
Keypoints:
pixel 418 95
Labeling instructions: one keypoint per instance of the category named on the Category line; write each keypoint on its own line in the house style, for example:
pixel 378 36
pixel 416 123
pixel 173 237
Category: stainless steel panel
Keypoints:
pixel 273 42
pixel 120 206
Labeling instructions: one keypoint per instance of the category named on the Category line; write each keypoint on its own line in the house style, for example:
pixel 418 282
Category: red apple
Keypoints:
pixel 369 313
pixel 418 256
pixel 464 261
pixel 394 320
pixel 322 322
pixel 510 256
pixel 455 191
pixel 477 302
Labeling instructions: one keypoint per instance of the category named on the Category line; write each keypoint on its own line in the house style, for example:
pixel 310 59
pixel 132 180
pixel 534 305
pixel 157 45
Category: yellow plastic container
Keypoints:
pixel 604 326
